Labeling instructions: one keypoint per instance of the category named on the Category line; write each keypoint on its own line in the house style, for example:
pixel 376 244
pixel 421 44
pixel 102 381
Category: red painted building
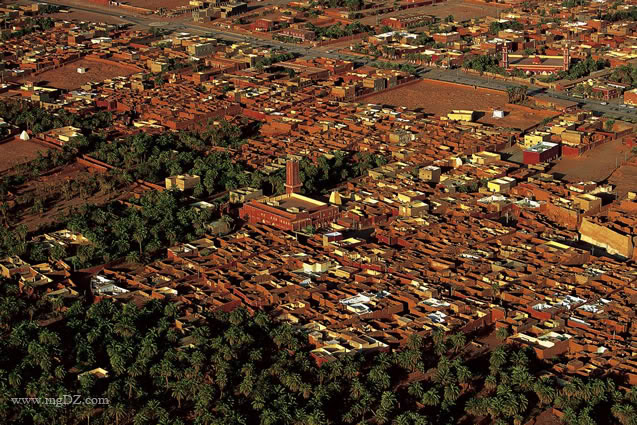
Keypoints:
pixel 263 25
pixel 291 211
pixel 537 64
pixel 542 152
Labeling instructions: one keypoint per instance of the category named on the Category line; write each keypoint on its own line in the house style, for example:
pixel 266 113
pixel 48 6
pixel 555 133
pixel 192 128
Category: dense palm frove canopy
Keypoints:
pixel 237 368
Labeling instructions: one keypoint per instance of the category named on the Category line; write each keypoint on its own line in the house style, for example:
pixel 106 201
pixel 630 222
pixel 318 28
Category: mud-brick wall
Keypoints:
pixel 614 242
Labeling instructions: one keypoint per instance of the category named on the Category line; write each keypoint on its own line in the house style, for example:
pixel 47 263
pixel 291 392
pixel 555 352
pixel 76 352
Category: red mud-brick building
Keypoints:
pixel 291 211
pixel 542 152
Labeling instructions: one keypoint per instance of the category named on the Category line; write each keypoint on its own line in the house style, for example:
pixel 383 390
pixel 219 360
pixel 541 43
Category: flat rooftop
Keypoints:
pixel 294 203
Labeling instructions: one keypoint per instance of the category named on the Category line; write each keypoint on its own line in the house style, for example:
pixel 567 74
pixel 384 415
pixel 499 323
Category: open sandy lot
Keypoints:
pixel 459 9
pixel 83 16
pixel 624 179
pixel 68 78
pixel 598 164
pixel 156 4
pixel 440 98
pixel 18 151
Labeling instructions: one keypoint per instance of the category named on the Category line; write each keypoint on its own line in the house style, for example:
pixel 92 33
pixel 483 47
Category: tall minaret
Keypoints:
pixel 567 58
pixel 292 180
pixel 505 55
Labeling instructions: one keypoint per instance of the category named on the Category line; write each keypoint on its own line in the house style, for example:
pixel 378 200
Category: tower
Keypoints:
pixel 505 55
pixel 567 58
pixel 292 179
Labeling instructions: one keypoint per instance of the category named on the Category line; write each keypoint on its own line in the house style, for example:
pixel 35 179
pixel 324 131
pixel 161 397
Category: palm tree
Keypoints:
pixel 131 383
pixel 491 383
pixel 477 406
pixel 402 419
pixel 501 334
pixel 573 389
pixel 452 392
pixel 415 389
pixel 431 398
pixel 179 391
pixel 458 341
pixel 463 373
pixel 498 359
pixel 387 403
pixel 379 377
pixel 625 414
pixel 545 391
pixel 116 411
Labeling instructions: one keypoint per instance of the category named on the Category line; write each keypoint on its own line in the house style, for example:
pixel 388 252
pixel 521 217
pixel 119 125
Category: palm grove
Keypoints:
pixel 237 368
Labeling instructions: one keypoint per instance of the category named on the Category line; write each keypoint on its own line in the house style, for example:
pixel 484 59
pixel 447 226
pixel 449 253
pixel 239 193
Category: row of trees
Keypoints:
pixel 338 30
pixel 497 26
pixel 406 67
pixel 580 69
pixel 351 5
pixel 620 15
pixel 28 116
pixel 624 74
pixel 517 94
pixel 264 62
pixel 31 25
pixel 237 369
pixel 483 63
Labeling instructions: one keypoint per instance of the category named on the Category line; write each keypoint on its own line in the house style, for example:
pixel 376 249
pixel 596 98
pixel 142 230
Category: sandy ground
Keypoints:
pixel 157 4
pixel 460 10
pixel 440 98
pixel 68 78
pixel 18 151
pixel 597 164
pixel 625 180
pixel 146 4
pixel 59 206
pixel 78 15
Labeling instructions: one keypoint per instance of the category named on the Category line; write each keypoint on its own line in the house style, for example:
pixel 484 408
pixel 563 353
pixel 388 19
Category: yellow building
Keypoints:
pixel 245 194
pixel 485 157
pixel 501 185
pixel 572 137
pixel 430 173
pixel 461 115
pixel 587 202
pixel 536 137
pixel 182 182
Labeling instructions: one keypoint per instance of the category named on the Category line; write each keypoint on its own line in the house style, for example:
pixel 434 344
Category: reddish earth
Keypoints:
pixel 597 164
pixel 459 9
pixel 157 4
pixel 78 15
pixel 146 4
pixel 440 98
pixel 50 186
pixel 68 78
pixel 625 180
pixel 545 418
pixel 18 151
